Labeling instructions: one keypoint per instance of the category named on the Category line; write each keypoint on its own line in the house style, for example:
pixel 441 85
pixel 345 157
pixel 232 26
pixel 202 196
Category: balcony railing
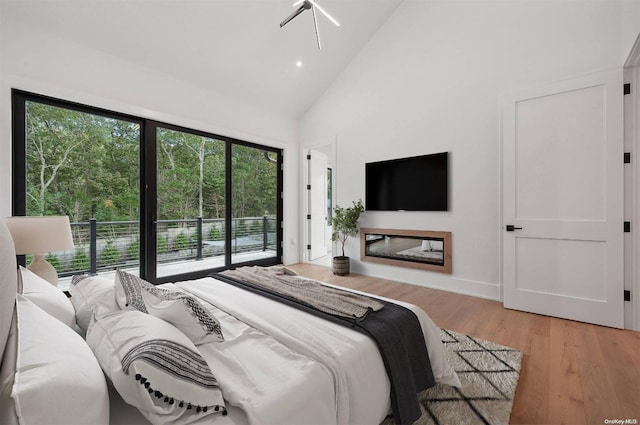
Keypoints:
pixel 108 245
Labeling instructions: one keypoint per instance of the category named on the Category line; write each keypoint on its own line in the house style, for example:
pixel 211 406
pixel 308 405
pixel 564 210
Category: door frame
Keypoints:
pixel 318 162
pixel 330 148
pixel 632 185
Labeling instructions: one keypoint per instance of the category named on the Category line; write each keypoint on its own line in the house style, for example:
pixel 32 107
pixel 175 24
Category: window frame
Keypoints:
pixel 148 180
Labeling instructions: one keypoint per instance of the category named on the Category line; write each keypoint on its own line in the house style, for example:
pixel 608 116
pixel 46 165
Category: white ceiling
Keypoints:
pixel 234 47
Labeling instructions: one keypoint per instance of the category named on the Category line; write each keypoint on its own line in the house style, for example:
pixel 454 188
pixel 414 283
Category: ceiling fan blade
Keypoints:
pixel 293 15
pixel 329 17
pixel 315 24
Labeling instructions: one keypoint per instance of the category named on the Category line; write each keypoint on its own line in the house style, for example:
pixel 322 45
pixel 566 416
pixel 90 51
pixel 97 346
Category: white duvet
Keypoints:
pixel 283 366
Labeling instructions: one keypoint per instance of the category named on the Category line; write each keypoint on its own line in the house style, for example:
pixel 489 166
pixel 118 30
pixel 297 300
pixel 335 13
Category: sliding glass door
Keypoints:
pixel 254 204
pixel 158 200
pixel 190 229
pixel 86 166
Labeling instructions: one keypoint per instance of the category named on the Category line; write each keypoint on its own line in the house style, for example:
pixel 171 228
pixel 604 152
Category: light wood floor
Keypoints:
pixel 572 373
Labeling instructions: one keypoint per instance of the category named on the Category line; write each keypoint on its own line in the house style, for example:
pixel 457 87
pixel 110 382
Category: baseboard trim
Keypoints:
pixel 490 291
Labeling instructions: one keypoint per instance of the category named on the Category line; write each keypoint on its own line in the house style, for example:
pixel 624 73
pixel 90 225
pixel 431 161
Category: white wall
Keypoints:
pixel 430 81
pixel 40 62
pixel 630 26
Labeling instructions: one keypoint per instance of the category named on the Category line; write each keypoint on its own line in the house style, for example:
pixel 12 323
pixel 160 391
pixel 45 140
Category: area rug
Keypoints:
pixel 489 374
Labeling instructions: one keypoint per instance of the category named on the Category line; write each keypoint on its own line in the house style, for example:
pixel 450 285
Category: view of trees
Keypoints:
pixel 253 182
pixel 81 165
pixel 84 165
pixel 191 176
pixel 88 166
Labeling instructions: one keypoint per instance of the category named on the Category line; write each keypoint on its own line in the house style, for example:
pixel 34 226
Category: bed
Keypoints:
pixel 115 353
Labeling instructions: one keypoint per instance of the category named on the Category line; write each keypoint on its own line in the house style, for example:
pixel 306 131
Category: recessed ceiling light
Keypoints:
pixel 299 64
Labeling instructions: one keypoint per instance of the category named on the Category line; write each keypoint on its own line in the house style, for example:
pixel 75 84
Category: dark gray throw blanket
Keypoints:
pixel 396 331
pixel 329 300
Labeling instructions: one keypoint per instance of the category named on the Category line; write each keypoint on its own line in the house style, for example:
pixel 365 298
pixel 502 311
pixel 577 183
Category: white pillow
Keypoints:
pixel 154 367
pixel 8 283
pixel 47 297
pixel 57 380
pixel 7 373
pixel 426 246
pixel 176 307
pixel 437 245
pixel 89 293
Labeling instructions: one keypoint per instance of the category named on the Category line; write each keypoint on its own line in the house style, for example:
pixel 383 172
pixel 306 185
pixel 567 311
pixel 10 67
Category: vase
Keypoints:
pixel 341 265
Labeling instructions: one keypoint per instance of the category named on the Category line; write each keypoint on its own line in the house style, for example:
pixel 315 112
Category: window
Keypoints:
pixel 191 202
pixel 162 201
pixel 254 204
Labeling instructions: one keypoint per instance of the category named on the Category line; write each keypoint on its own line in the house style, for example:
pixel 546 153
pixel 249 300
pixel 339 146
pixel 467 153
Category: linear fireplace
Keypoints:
pixel 422 249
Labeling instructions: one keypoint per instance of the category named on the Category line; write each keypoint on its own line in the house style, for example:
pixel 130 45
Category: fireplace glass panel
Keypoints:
pixel 421 249
pixel 427 250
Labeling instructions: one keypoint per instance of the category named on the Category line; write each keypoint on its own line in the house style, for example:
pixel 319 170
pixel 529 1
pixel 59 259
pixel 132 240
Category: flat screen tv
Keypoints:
pixel 417 183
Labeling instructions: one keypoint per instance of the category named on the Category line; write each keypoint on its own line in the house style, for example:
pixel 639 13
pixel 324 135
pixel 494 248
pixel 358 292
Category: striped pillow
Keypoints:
pixel 154 367
pixel 176 307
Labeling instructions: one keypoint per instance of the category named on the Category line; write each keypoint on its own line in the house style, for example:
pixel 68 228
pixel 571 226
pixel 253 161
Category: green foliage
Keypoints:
pixel 272 225
pixel 161 245
pixel 86 165
pixel 215 234
pixel 89 164
pixel 256 227
pixel 241 228
pixel 133 250
pixel 345 222
pixel 181 241
pixel 253 183
pixel 110 254
pixel 55 262
pixel 80 261
pixel 191 172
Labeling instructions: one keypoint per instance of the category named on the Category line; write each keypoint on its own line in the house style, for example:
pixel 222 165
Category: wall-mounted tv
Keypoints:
pixel 418 183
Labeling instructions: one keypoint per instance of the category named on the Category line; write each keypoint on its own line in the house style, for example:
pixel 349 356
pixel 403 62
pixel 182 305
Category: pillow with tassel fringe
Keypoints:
pixel 154 367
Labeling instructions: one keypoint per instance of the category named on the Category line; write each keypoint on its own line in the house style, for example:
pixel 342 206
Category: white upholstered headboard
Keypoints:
pixel 8 283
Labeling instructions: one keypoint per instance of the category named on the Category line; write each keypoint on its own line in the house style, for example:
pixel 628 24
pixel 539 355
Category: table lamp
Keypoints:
pixel 38 236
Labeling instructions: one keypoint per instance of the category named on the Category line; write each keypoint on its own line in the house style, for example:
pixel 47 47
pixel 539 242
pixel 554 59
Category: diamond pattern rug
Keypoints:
pixel 489 375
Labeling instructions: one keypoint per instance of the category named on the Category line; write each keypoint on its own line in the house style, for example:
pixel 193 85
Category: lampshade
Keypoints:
pixel 40 235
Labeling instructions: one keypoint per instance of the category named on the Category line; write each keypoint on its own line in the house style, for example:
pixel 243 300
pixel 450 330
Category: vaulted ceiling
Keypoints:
pixel 233 47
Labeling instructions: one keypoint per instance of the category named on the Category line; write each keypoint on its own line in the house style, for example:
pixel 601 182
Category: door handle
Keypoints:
pixel 511 228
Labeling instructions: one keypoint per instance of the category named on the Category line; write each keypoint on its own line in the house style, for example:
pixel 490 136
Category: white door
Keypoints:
pixel 562 191
pixel 317 204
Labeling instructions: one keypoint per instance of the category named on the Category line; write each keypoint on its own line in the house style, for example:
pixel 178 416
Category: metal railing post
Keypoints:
pixel 93 233
pixel 235 237
pixel 265 238
pixel 199 233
